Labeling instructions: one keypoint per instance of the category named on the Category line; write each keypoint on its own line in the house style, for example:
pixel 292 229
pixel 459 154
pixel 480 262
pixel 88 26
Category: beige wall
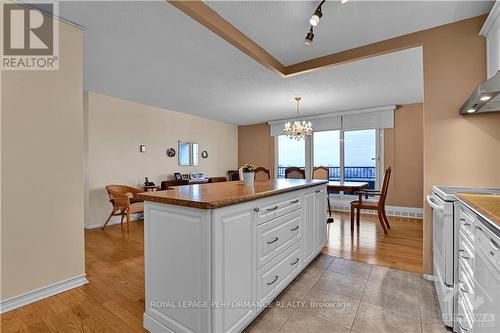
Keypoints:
pixel 42 172
pixel 458 150
pixel 403 152
pixel 115 130
pixel 256 146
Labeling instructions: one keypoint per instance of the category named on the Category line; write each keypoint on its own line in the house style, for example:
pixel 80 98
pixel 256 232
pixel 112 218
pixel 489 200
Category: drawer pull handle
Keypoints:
pixel 256 209
pixel 295 262
pixel 272 208
pixel 276 277
pixel 463 289
pixel 317 191
pixel 462 255
pixel 273 241
pixel 294 201
pixel 494 244
pixel 460 324
pixel 293 229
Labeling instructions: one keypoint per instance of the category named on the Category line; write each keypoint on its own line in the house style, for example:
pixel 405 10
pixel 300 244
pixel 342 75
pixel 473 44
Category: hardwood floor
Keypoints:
pixel 114 259
pixel 400 249
pixel 113 301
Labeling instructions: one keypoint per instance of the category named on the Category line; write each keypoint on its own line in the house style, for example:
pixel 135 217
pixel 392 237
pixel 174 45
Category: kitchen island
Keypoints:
pixel 217 254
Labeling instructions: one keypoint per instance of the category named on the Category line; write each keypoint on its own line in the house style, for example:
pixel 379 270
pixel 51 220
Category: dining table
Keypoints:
pixel 334 185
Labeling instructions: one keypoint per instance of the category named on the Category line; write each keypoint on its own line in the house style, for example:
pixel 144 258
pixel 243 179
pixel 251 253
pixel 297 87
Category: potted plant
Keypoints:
pixel 248 174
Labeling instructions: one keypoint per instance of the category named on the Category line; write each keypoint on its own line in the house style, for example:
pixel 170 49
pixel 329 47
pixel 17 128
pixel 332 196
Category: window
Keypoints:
pixel 290 153
pixel 327 152
pixel 349 155
pixel 360 156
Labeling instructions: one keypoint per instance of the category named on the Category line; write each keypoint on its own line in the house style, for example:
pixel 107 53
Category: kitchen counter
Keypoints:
pixel 488 206
pixel 216 195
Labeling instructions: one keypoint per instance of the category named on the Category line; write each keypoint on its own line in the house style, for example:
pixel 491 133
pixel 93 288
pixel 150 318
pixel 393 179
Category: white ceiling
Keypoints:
pixel 150 52
pixel 280 26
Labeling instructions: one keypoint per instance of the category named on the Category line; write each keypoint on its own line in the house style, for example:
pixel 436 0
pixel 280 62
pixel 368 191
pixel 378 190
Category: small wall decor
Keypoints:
pixel 170 152
pixel 142 148
pixel 177 176
pixel 204 154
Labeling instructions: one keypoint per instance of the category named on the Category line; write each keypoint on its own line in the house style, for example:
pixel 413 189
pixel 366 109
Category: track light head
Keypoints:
pixel 309 37
pixel 316 17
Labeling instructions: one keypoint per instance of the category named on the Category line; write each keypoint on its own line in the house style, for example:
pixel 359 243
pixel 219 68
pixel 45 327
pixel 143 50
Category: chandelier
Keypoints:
pixel 298 129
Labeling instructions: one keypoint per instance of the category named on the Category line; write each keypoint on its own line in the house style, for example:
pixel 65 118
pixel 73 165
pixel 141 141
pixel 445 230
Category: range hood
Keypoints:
pixel 486 97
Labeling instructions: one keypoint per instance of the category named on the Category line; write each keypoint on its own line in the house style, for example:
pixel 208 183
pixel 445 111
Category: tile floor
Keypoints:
pixel 340 295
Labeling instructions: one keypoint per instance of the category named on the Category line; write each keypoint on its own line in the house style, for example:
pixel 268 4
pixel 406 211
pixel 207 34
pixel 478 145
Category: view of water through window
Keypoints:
pixel 359 154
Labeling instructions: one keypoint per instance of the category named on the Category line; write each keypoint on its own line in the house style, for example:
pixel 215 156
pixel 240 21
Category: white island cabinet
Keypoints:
pixel 214 266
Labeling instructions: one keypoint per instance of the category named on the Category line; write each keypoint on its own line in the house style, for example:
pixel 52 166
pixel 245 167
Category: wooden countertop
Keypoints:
pixel 215 195
pixel 486 205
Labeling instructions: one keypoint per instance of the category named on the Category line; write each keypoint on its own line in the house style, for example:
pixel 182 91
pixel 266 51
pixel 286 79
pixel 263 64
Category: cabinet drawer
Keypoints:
pixel 465 252
pixel 466 289
pixel 466 223
pixel 269 209
pixel 278 234
pixel 464 321
pixel 275 275
pixel 489 244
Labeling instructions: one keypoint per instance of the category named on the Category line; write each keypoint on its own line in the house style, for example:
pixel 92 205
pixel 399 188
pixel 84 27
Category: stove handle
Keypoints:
pixel 434 205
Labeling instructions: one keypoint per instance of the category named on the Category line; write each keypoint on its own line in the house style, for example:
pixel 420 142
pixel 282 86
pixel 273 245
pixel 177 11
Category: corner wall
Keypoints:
pixel 256 146
pixel 403 152
pixel 115 129
pixel 42 172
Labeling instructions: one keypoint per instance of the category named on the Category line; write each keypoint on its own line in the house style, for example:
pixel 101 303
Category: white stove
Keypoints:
pixel 445 244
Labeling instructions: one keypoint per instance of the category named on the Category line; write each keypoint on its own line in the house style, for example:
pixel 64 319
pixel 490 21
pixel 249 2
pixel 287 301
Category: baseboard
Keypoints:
pixel 41 293
pixel 344 205
pixel 428 277
pixel 114 220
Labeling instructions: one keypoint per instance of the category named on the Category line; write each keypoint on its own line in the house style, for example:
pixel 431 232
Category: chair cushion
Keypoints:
pixel 137 207
pixel 365 202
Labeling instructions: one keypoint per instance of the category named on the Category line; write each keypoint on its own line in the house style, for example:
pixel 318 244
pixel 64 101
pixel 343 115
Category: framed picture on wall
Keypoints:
pixel 178 176
pixel 185 176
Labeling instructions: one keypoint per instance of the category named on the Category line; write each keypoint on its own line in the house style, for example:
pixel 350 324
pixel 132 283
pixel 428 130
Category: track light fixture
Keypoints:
pixel 309 37
pixel 317 15
pixel 314 21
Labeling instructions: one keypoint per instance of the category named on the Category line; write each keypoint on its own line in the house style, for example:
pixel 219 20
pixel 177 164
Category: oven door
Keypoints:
pixel 442 237
pixel 442 255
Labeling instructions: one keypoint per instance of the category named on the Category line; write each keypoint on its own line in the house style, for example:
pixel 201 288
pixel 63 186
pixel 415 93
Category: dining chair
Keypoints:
pixel 174 182
pixel 322 172
pixel 233 175
pixel 373 204
pixel 217 179
pixel 295 173
pixel 262 173
pixel 124 202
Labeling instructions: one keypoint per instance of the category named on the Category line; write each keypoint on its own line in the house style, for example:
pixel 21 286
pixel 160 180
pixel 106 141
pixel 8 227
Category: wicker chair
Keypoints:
pixel 124 201
pixel 295 173
pixel 262 173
